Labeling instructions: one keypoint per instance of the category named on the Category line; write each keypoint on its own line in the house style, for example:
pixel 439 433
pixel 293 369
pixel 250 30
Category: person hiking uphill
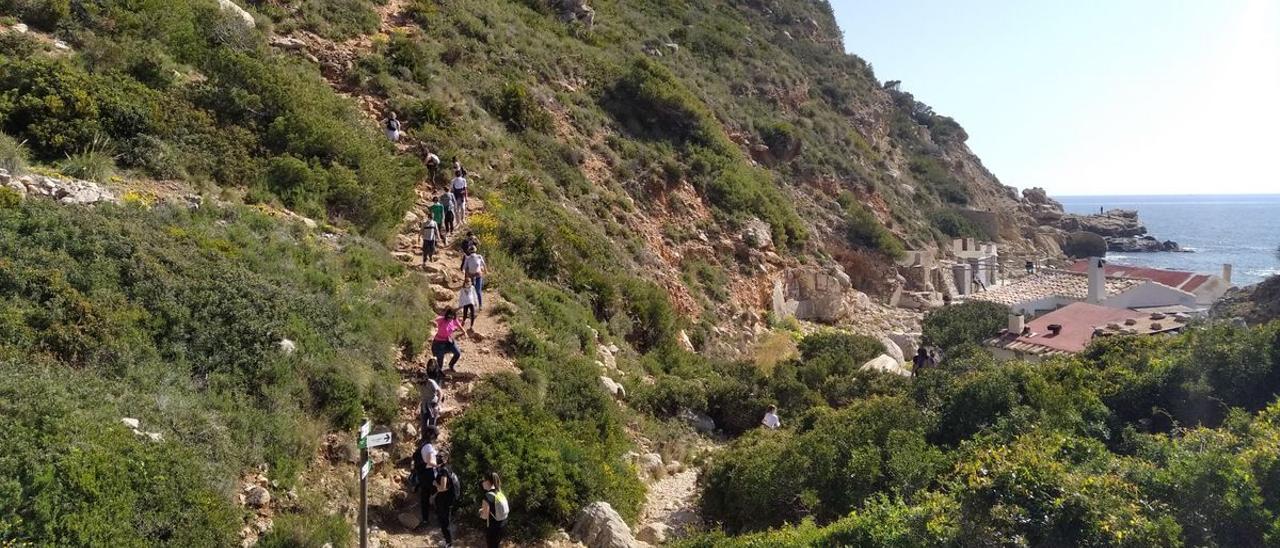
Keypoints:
pixel 431 395
pixel 393 128
pixel 423 477
pixel 443 343
pixel 448 204
pixel 438 212
pixel 459 188
pixel 447 491
pixel 430 233
pixel 473 269
pixel 432 161
pixel 494 510
pixel 467 300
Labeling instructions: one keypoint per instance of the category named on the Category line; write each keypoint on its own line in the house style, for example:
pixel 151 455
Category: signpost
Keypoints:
pixel 364 442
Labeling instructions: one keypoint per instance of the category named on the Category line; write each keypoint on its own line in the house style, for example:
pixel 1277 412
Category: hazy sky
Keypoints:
pixel 1092 96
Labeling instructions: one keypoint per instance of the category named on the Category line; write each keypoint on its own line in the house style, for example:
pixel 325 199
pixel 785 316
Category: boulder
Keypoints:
pixel 885 364
pixel 1037 196
pixel 409 520
pixel 654 533
pixel 892 349
pixel 613 387
pixel 230 7
pixel 20 28
pixel 650 464
pixel 287 346
pixel 599 526
pixel 698 421
pixel 908 342
pixel 812 293
pixel 757 234
pixel 132 423
pixel 257 496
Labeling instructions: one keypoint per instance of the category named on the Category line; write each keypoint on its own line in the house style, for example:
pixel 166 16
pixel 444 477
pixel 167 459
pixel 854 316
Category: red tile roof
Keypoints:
pixel 1177 279
pixel 1079 321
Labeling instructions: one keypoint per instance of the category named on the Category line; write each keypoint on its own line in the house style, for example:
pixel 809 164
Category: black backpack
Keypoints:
pixel 455 486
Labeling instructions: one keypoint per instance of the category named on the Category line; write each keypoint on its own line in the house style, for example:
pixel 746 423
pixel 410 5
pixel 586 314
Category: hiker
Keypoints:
pixel 447 492
pixel 473 268
pixel 494 510
pixel 423 476
pixel 457 164
pixel 443 343
pixel 433 164
pixel 393 128
pixel 431 395
pixel 459 188
pixel 977 283
pixel 439 214
pixel 771 420
pixel 1031 267
pixel 449 204
pixel 471 243
pixel 467 299
pixel 430 233
pixel 921 360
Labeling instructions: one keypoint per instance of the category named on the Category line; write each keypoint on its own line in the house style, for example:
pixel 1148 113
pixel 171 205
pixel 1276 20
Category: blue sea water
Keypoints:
pixel 1243 230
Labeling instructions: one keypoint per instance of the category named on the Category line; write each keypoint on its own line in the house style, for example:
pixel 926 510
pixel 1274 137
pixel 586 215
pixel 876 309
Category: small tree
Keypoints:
pixel 969 322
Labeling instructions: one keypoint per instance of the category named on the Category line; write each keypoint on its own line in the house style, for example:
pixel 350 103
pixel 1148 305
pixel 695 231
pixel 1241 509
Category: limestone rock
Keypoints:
pixel 132 423
pixel 654 533
pixel 757 235
pixel 599 526
pixel 650 464
pixel 698 421
pixel 257 496
pixel 409 519
pixel 231 7
pixel 812 293
pixel 287 346
pixel 613 387
pixel 885 364
pixel 892 349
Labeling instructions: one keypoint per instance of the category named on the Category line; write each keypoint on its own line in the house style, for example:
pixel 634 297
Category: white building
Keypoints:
pixel 1050 289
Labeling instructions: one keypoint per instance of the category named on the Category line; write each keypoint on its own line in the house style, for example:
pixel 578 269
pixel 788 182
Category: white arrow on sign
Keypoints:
pixel 365 428
pixel 364 470
pixel 378 440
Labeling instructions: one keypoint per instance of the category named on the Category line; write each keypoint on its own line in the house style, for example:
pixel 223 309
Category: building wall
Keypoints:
pixel 1150 294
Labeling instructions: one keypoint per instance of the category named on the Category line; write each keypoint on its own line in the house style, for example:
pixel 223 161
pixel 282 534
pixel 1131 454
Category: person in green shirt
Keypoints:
pixel 437 213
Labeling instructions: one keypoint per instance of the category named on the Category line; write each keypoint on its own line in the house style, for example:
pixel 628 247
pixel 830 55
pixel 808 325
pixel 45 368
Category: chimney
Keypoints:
pixel 1016 323
pixel 1055 329
pixel 1097 281
pixel 1226 272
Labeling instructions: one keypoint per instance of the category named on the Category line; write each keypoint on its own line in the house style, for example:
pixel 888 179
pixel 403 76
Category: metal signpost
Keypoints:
pixel 364 442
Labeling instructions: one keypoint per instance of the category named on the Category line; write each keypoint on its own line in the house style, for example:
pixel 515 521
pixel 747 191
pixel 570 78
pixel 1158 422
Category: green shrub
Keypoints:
pixel 951 223
pixel 41 14
pixel 1080 245
pixel 92 165
pixel 307 531
pixel 865 231
pixel 13 155
pixel 516 107
pixel 969 322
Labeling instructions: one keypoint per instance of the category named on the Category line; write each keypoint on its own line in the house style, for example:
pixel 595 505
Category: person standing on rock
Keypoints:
pixel 447 491
pixel 447 327
pixel 467 300
pixel 494 510
pixel 430 233
pixel 473 269
pixel 393 128
pixel 459 188
pixel 447 202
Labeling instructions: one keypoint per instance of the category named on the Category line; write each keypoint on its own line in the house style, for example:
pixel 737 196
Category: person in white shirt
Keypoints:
pixel 473 269
pixel 393 128
pixel 467 300
pixel 770 419
pixel 430 233
pixel 459 188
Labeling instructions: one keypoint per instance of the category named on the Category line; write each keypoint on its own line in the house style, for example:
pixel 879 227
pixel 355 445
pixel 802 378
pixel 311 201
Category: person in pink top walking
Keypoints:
pixel 447 327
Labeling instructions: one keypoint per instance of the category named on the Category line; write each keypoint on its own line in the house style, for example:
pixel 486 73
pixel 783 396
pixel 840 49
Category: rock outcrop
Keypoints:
pixel 1121 228
pixel 599 526
pixel 813 293
pixel 231 7
pixel 67 191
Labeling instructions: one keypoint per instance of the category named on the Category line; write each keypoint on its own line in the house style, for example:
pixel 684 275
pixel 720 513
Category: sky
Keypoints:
pixel 1092 97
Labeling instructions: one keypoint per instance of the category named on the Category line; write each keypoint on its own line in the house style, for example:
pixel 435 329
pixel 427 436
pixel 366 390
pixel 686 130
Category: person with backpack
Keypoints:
pixel 393 128
pixel 430 233
pixel 431 396
pixel 470 244
pixel 443 343
pixel 448 491
pixel 423 476
pixel 432 162
pixel 459 188
pixel 473 268
pixel 447 202
pixel 494 510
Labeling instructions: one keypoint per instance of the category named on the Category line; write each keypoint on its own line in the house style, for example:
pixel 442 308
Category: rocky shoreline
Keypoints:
pixel 1121 228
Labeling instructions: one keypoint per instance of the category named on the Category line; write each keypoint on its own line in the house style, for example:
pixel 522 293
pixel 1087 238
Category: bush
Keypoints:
pixel 863 230
pixel 13 155
pixel 516 107
pixel 951 223
pixel 970 322
pixel 1080 245
pixel 92 165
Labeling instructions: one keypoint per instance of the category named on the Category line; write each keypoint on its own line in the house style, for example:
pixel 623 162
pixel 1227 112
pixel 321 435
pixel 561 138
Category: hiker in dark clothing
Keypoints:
pixel 921 360
pixel 393 128
pixel 494 510
pixel 423 477
pixel 431 395
pixel 450 215
pixel 447 490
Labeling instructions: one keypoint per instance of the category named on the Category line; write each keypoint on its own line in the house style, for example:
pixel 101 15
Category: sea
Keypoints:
pixel 1243 230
